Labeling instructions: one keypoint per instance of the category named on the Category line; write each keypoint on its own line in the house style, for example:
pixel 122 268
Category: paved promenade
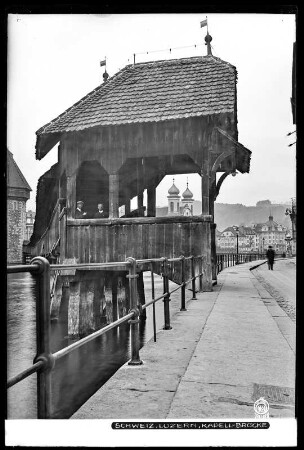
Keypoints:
pixel 222 354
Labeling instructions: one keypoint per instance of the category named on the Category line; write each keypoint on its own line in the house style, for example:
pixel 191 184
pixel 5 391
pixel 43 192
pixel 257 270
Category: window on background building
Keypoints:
pixel 172 206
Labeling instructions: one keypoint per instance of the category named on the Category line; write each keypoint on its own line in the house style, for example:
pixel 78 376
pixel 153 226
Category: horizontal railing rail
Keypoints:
pixel 44 360
pixel 224 260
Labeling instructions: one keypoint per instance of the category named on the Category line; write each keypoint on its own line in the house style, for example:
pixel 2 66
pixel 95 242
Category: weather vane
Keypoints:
pixel 208 38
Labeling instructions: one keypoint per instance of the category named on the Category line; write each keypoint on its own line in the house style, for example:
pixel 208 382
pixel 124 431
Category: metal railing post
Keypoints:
pixel 183 288
pixel 134 322
pixel 166 299
pixel 193 278
pixel 43 323
pixel 153 305
pixel 201 274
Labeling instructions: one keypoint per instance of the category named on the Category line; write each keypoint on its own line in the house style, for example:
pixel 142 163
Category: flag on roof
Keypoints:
pixel 102 63
pixel 203 23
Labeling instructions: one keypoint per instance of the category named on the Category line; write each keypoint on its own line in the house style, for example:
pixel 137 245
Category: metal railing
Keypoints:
pixel 44 360
pixel 224 260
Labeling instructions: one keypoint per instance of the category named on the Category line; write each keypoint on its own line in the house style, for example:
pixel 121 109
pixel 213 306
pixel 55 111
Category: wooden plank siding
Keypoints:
pixel 90 242
pixel 112 146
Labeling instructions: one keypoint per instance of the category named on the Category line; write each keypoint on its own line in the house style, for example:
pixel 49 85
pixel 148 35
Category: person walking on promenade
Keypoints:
pixel 270 257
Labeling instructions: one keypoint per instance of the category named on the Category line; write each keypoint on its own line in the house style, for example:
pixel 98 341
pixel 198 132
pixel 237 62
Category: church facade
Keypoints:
pixel 180 205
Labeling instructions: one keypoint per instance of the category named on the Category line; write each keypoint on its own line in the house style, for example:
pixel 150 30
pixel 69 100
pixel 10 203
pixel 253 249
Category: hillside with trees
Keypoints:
pixel 227 214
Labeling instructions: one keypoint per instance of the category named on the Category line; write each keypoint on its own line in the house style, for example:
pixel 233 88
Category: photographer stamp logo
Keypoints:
pixel 261 409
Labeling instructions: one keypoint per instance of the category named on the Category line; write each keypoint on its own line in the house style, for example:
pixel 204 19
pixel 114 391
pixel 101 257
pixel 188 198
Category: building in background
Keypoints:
pixel 180 206
pixel 226 240
pixel 256 238
pixel 187 202
pixel 29 225
pixel 18 192
pixel 173 201
pixel 271 233
pixel 245 236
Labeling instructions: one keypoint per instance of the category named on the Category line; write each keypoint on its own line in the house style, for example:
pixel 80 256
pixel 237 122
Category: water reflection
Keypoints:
pixel 21 344
pixel 76 376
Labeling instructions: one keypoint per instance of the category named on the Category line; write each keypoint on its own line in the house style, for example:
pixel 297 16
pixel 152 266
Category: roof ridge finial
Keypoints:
pixel 187 182
pixel 105 75
pixel 208 38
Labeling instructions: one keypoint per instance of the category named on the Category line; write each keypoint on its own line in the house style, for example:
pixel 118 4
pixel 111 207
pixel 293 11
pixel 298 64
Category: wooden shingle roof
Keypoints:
pixel 151 92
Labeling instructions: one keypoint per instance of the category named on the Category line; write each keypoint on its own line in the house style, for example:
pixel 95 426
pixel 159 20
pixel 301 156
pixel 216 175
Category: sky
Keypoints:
pixel 54 60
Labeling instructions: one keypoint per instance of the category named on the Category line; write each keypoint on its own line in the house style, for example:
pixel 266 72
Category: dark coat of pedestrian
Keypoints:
pixel 270 257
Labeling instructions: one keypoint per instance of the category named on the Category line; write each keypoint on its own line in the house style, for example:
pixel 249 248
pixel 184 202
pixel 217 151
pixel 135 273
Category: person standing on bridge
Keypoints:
pixel 80 214
pixel 270 257
pixel 100 214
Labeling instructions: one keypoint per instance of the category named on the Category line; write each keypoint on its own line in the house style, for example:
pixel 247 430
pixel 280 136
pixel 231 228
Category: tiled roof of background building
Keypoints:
pixel 231 229
pixel 14 176
pixel 154 91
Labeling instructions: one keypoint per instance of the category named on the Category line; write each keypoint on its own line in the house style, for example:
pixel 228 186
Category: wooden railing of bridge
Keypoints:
pixel 106 240
pixel 91 241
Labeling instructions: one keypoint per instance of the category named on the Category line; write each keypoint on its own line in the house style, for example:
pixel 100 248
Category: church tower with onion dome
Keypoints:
pixel 187 202
pixel 173 201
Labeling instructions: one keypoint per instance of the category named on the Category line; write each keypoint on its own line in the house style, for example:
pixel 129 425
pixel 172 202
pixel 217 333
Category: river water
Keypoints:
pixel 76 376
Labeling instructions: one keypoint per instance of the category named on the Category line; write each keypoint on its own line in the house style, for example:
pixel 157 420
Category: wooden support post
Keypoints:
pixel 114 297
pixel 63 236
pixel 99 302
pixel 71 195
pixel 205 189
pixel 108 301
pixel 86 307
pixel 74 300
pixel 56 296
pixel 64 303
pixel 121 297
pixel 151 195
pixel 212 195
pixel 113 195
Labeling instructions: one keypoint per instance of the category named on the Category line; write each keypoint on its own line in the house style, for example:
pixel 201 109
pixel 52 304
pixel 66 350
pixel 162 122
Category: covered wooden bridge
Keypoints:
pixel 148 121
